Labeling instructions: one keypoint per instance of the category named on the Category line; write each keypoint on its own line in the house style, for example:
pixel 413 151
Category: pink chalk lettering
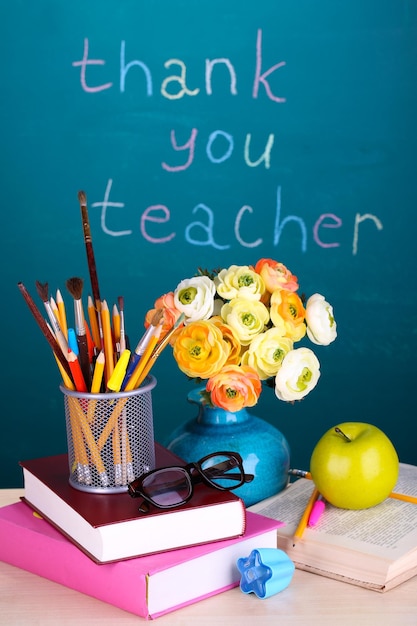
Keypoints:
pixel 190 145
pixel 261 78
pixel 83 64
pixel 335 223
pixel 151 215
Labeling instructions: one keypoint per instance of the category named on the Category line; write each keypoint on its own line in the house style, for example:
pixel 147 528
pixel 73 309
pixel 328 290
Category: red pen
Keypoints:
pixel 316 511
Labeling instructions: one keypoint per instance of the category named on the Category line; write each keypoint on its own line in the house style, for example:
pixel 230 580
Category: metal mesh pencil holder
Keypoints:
pixel 110 437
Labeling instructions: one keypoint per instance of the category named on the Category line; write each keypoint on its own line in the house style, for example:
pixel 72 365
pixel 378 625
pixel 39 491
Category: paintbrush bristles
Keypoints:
pixel 42 289
pixel 157 316
pixel 75 287
pixel 82 198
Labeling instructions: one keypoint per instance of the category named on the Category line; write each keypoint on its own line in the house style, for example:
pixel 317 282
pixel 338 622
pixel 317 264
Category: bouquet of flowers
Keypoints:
pixel 241 326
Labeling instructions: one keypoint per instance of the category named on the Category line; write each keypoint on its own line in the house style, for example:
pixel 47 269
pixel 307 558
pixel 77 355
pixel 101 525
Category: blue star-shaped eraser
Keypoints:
pixel 265 572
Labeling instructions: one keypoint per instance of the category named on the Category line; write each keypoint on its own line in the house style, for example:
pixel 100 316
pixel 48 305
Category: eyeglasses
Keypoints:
pixel 168 487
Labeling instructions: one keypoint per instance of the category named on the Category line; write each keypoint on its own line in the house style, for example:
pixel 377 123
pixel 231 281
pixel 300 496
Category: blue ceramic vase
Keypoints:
pixel 263 448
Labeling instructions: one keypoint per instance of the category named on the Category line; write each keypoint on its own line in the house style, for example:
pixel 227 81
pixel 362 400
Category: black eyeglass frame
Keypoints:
pixel 199 475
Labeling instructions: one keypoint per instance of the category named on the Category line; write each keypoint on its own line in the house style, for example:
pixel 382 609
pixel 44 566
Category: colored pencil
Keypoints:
pixel 75 287
pixel 108 340
pixel 44 328
pixel 62 312
pixel 122 339
pixel 305 516
pixel 92 316
pixel 42 289
pixel 76 372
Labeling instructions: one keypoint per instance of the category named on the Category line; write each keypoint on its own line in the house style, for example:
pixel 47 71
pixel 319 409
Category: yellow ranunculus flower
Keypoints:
pixel 229 336
pixel 200 350
pixel 248 318
pixel 234 387
pixel 239 281
pixel 267 351
pixel 288 314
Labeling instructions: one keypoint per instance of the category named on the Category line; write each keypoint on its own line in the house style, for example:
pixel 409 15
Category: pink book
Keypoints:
pixel 148 586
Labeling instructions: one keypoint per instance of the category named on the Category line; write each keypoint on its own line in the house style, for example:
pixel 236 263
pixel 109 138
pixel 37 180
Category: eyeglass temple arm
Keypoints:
pixel 218 471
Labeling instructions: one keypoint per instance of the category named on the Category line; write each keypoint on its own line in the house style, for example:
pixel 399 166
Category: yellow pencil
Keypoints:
pixel 62 313
pixel 304 518
pixel 394 494
pixel 95 385
pixel 136 378
pixel 66 379
pixel 403 497
pixel 108 340
pixel 98 373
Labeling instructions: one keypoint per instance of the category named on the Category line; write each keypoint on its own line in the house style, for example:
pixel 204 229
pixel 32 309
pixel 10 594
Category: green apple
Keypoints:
pixel 354 465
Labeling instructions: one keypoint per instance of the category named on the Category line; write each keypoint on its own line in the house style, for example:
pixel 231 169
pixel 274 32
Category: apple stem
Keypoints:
pixel 340 432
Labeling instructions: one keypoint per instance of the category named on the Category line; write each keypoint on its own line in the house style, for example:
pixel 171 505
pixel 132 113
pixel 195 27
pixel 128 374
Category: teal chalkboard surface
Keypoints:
pixel 206 134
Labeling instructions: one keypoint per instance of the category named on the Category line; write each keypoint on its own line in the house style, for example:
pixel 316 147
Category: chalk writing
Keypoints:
pixel 155 221
pixel 201 233
pixel 229 142
pixel 175 86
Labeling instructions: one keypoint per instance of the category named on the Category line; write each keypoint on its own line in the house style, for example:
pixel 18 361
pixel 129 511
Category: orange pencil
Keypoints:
pixel 108 340
pixel 304 518
pixel 92 316
pixel 90 342
pixel 76 372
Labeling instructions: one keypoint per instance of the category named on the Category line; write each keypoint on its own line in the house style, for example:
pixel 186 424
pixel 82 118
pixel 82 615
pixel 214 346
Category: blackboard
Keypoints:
pixel 206 134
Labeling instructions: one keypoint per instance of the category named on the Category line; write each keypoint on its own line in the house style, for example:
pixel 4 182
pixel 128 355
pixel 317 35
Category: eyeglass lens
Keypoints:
pixel 167 487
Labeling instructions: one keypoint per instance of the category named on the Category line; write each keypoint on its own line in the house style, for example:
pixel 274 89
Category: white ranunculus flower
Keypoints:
pixel 298 375
pixel 239 281
pixel 321 325
pixel 195 298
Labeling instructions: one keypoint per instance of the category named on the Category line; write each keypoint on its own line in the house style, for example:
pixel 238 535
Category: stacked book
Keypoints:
pixel 101 545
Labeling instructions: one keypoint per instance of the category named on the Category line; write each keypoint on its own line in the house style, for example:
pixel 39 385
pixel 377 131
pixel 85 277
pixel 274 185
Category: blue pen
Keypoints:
pixel 72 341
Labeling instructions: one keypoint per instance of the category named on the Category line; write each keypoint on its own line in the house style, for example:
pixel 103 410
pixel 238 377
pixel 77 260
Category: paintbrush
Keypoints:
pixel 42 289
pixel 122 340
pixel 44 328
pixel 141 347
pixel 75 287
pixel 82 198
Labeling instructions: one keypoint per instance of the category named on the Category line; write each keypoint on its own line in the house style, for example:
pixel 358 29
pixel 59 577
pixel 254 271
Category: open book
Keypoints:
pixel 374 548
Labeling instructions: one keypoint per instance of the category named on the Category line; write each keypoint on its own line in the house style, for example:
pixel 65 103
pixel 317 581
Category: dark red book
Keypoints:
pixel 110 527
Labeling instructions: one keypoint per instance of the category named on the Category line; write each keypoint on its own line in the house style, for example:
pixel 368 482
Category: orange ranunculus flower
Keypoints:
pixel 234 388
pixel 276 275
pixel 288 314
pixel 200 350
pixel 230 337
pixel 171 314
